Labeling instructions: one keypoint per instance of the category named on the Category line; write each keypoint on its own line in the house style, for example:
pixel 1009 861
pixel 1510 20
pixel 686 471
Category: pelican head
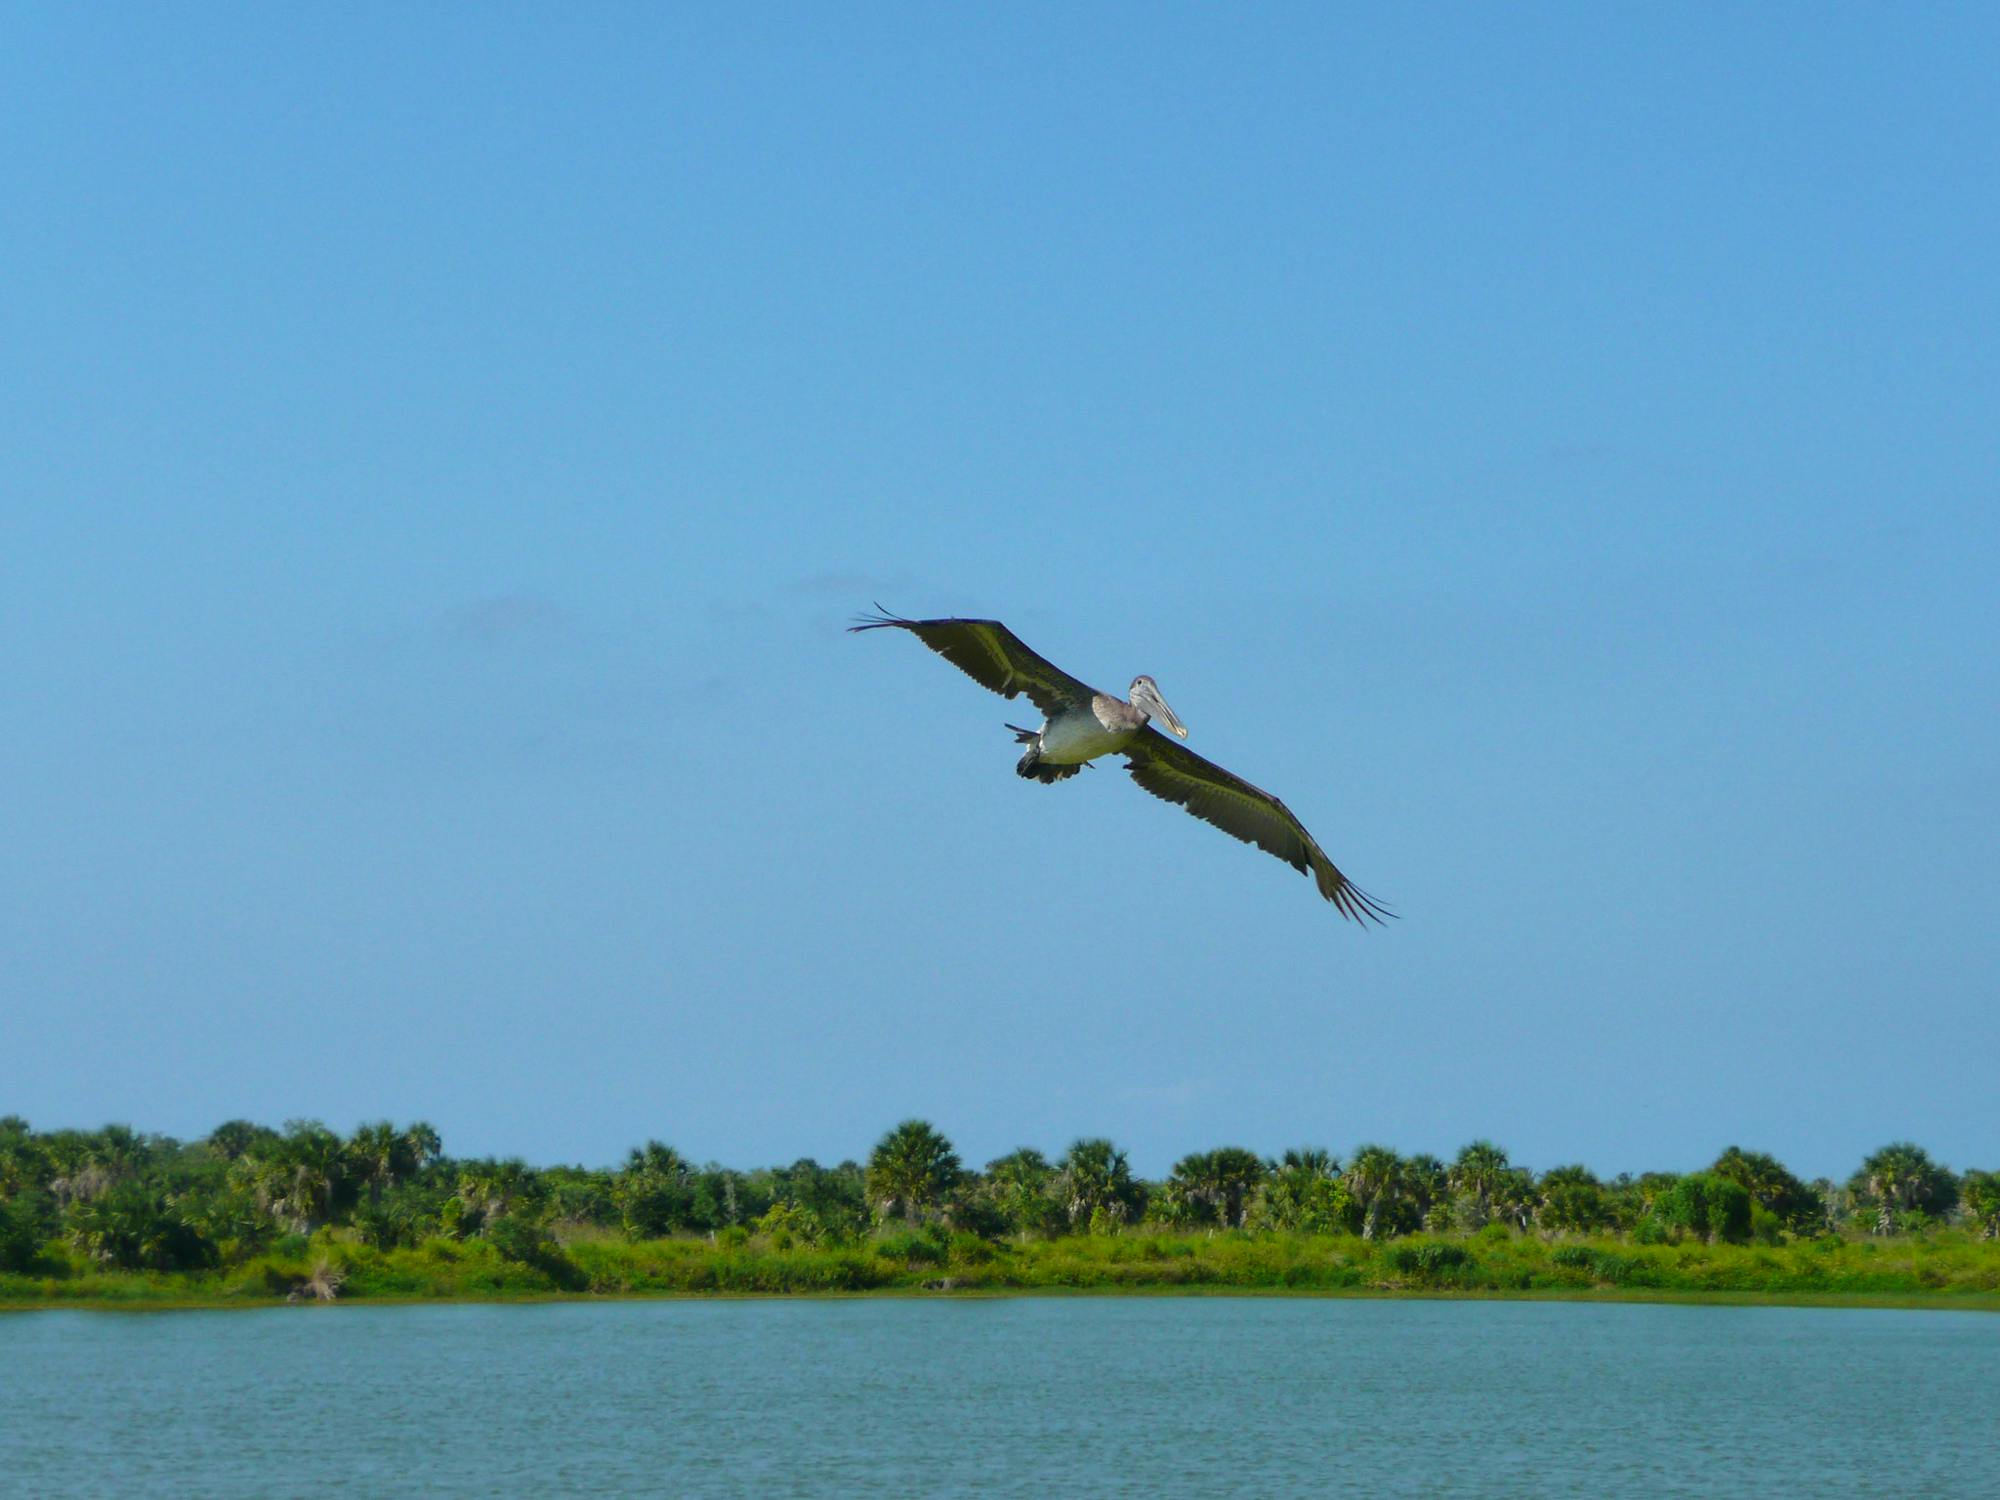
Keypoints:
pixel 1146 697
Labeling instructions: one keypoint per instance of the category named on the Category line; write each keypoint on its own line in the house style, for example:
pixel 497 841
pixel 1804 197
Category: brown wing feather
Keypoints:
pixel 992 656
pixel 1171 771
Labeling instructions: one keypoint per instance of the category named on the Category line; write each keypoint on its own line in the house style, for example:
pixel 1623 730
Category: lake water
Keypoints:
pixel 1010 1396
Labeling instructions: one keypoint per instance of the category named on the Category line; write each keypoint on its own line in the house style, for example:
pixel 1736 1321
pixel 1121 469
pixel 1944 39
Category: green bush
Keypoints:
pixel 1615 1269
pixel 1708 1205
pixel 529 1244
pixel 923 1247
pixel 968 1249
pixel 268 1275
pixel 25 1225
pixel 135 1228
pixel 1431 1262
pixel 517 1257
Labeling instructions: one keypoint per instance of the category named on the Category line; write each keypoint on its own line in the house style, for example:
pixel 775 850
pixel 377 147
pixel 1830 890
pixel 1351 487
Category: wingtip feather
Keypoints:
pixel 1361 908
pixel 876 621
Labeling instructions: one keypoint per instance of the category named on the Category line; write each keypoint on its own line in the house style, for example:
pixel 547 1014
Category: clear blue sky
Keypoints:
pixel 1553 449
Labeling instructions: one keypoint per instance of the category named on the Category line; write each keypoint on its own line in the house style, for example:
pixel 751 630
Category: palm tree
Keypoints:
pixel 21 1160
pixel 653 1191
pixel 1375 1177
pixel 836 1196
pixel 1981 1194
pixel 1767 1182
pixel 301 1175
pixel 1425 1181
pixel 1019 1186
pixel 1187 1197
pixel 1234 1174
pixel 1302 1193
pixel 382 1157
pixel 234 1139
pixel 423 1143
pixel 1315 1161
pixel 321 1163
pixel 134 1228
pixel 230 1213
pixel 1476 1174
pixel 911 1171
pixel 657 1159
pixel 489 1190
pixel 1220 1180
pixel 1571 1198
pixel 1836 1203
pixel 1176 1204
pixel 86 1164
pixel 1094 1178
pixel 1514 1197
pixel 121 1149
pixel 1901 1178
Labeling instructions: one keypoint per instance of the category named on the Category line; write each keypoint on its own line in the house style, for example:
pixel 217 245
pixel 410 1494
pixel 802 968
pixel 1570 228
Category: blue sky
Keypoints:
pixel 1552 449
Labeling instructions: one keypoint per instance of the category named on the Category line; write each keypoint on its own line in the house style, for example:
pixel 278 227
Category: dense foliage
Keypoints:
pixel 305 1212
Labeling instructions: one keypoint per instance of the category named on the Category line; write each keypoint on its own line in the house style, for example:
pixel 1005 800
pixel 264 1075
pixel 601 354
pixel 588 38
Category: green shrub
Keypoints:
pixel 269 1275
pixel 529 1244
pixel 967 1249
pixel 133 1227
pixel 26 1222
pixel 925 1247
pixel 1622 1270
pixel 1708 1205
pixel 1430 1262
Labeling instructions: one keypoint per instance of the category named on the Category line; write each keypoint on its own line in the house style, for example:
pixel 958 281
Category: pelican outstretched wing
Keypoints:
pixel 1170 770
pixel 992 656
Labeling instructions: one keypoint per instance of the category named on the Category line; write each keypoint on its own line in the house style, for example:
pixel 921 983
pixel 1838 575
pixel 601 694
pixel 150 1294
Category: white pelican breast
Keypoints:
pixel 1089 730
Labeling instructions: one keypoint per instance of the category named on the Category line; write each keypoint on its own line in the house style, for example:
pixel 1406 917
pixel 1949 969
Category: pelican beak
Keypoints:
pixel 1147 696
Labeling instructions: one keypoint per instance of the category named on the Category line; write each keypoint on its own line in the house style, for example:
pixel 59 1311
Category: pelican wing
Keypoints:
pixel 994 657
pixel 1170 770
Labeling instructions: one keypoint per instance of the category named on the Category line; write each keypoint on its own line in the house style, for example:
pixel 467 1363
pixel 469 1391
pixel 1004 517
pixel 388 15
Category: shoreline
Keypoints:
pixel 1947 1269
pixel 1938 1301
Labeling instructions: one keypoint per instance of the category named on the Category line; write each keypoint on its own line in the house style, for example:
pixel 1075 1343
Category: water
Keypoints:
pixel 1016 1396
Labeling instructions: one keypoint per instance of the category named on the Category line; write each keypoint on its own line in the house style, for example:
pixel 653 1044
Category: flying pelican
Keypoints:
pixel 1079 724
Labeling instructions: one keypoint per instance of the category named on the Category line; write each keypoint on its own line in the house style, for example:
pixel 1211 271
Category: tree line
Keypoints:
pixel 117 1199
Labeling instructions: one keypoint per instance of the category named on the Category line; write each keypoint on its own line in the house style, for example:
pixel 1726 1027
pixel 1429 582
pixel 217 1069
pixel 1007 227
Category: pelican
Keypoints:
pixel 1079 724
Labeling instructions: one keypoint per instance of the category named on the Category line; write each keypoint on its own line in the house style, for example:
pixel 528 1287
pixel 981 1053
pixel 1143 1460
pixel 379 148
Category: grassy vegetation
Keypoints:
pixel 250 1215
pixel 1944 1268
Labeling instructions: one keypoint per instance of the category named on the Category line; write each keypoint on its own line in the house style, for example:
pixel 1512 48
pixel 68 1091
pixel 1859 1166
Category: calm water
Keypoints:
pixel 1019 1396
